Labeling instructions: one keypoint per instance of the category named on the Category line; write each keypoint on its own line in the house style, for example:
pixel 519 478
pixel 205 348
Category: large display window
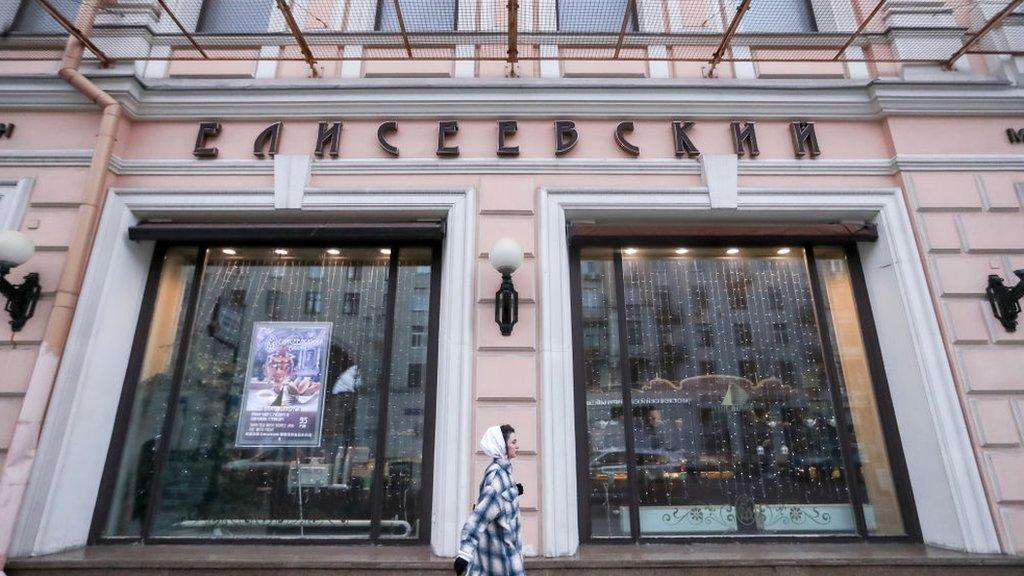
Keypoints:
pixel 278 391
pixel 731 391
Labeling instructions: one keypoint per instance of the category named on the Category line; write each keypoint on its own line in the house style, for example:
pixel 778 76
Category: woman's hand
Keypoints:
pixel 460 566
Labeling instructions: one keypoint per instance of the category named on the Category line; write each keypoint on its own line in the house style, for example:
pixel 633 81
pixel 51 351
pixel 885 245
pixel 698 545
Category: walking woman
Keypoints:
pixel 490 544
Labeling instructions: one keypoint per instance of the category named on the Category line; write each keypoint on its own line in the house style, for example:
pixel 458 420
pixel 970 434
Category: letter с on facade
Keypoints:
pixel 567 136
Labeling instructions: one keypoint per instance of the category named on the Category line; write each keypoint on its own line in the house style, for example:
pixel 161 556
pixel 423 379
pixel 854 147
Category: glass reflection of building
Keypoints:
pixel 197 483
pixel 733 427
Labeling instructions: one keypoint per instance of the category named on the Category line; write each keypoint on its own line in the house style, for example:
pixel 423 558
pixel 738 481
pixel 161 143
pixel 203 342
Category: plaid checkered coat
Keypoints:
pixel 491 540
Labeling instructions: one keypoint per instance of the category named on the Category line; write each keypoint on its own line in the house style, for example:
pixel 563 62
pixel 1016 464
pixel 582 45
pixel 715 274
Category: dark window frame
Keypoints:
pixel 869 336
pixel 203 13
pixel 633 28
pixel 19 14
pixel 137 356
pixel 379 12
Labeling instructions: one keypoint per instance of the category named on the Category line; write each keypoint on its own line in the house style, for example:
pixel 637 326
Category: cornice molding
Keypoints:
pixel 54 158
pixel 348 166
pixel 169 99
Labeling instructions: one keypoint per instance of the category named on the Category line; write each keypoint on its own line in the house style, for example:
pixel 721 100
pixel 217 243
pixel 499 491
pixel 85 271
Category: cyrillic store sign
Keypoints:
pixel 328 139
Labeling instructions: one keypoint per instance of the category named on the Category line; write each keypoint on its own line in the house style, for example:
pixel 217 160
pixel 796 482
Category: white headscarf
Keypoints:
pixel 493 444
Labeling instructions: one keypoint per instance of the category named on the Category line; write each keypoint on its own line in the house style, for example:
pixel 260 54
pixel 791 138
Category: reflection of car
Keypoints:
pixel 709 467
pixel 650 465
pixel 813 467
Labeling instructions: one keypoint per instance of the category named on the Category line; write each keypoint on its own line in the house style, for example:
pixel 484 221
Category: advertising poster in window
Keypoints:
pixel 282 400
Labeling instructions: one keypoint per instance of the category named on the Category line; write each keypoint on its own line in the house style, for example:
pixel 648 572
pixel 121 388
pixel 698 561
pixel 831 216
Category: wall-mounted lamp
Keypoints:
pixel 1005 301
pixel 506 256
pixel 15 250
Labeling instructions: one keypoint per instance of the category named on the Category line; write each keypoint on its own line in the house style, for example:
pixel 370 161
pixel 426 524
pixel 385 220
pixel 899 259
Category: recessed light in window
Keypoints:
pixel 385 251
pixel 630 251
pixel 732 251
pixel 782 251
pixel 682 251
pixel 333 251
pixel 229 251
pixel 281 252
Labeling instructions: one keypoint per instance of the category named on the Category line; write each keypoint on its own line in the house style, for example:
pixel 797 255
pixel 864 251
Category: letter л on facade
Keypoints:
pixel 268 140
pixel 507 128
pixel 745 138
pixel 620 138
pixel 325 135
pixel 383 130
pixel 6 130
pixel 446 128
pixel 566 136
pixel 805 141
pixel 207 130
pixel 684 146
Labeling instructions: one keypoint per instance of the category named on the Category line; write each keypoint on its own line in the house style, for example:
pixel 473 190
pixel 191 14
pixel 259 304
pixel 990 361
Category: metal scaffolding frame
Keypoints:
pixel 992 23
pixel 289 19
pixel 74 31
pixel 682 29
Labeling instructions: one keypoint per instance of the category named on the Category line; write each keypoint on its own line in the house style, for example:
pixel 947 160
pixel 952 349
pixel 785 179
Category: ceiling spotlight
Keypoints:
pixel 732 251
pixel 281 252
pixel 229 251
pixel 682 251
pixel 385 251
pixel 782 251
pixel 630 251
pixel 333 251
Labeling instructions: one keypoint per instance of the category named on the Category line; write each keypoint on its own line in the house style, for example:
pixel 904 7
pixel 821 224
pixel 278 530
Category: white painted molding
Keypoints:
pixel 719 173
pixel 291 177
pixel 351 63
pixel 819 166
pixel 946 480
pixel 61 496
pixel 14 195
pixel 63 158
pixel 545 97
pixel 465 66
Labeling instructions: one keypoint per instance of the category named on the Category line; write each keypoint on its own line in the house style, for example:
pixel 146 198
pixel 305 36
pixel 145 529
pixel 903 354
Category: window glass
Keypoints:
pixel 276 428
pixel 403 492
pixel 590 16
pixel 735 433
pixel 234 16
pixel 779 16
pixel 130 497
pixel 606 429
pixel 871 458
pixel 418 16
pixel 32 18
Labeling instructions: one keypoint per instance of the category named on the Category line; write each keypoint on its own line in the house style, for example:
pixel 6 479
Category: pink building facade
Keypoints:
pixel 894 189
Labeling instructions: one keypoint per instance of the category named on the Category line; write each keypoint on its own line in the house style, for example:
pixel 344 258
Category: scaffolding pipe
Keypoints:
pixel 630 9
pixel 992 23
pixel 513 32
pixel 860 29
pixel 401 26
pixel 167 9
pixel 74 31
pixel 289 19
pixel 716 58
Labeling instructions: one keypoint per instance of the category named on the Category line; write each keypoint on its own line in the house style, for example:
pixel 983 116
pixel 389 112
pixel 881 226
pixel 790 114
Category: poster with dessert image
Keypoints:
pixel 282 398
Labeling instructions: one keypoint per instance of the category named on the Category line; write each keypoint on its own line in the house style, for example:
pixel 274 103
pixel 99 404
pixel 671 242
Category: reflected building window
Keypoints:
pixel 276 406
pixel 736 426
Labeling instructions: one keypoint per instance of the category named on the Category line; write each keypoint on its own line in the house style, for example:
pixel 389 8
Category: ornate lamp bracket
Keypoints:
pixel 21 298
pixel 1005 301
